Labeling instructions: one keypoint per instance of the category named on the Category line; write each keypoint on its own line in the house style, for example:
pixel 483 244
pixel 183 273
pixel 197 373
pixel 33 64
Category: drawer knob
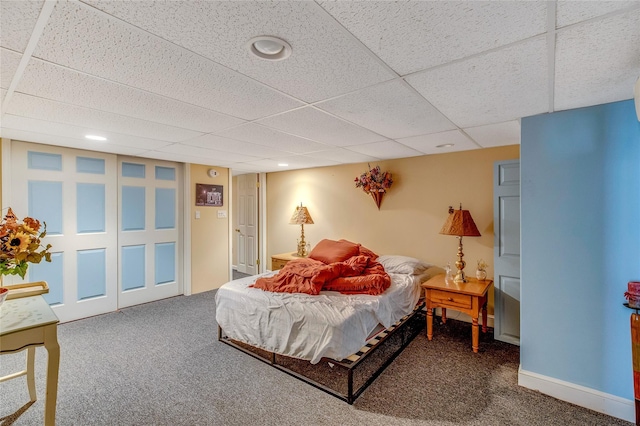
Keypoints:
pixel 450 299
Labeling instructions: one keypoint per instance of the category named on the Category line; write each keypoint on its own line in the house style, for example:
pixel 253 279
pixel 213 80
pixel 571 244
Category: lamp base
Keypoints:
pixel 460 277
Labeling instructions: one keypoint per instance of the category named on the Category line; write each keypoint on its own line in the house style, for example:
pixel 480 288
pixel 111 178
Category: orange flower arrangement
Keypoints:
pixel 20 244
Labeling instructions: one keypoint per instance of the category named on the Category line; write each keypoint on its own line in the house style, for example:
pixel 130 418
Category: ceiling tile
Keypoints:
pixel 344 156
pixel 32 107
pixel 240 147
pixel 428 144
pixel 210 154
pixel 17 20
pixel 412 36
pixel 323 52
pixel 391 109
pixel 261 135
pixel 9 62
pixel 294 162
pixel 597 62
pixel 71 87
pixel 80 37
pixel 76 132
pixel 69 142
pixel 499 86
pixel 571 11
pixel 315 124
pixel 499 134
pixel 386 150
pixel 181 157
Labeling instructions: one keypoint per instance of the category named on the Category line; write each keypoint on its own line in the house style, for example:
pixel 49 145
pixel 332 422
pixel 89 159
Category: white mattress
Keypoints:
pixel 329 325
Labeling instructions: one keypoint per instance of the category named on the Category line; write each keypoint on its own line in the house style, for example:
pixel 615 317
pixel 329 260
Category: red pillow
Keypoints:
pixel 364 251
pixel 330 251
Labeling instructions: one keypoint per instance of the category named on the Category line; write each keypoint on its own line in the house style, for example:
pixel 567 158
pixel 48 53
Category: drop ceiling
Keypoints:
pixel 366 80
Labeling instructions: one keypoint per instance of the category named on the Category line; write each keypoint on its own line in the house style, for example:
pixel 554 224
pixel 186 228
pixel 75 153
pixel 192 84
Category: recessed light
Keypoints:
pixel 269 48
pixel 445 145
pixel 283 165
pixel 95 138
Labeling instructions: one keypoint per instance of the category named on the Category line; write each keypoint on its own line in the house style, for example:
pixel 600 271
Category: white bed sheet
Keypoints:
pixel 331 324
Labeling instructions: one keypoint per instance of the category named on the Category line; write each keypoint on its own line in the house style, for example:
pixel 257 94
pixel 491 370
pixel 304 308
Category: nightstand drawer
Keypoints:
pixel 277 263
pixel 450 299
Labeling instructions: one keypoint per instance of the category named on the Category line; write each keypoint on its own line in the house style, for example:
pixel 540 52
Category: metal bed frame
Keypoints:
pixel 345 379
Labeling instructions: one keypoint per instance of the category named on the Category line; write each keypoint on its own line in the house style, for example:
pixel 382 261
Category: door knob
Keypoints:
pixel 237 230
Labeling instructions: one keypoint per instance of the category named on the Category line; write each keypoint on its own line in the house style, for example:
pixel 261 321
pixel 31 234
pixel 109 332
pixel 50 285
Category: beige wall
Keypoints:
pixel 412 211
pixel 209 235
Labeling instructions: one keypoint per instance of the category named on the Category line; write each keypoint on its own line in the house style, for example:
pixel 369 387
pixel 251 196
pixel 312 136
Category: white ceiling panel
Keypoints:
pixel 17 20
pixel 184 158
pixel 76 132
pixel 107 123
pixel 10 61
pixel 225 144
pixel 344 156
pixel 428 144
pixel 386 150
pixel 315 124
pixel 499 134
pixel 87 40
pixel 174 79
pixel 391 109
pixel 418 35
pixel 210 154
pixel 69 142
pixel 491 88
pixel 293 162
pixel 261 135
pixel 571 11
pixel 595 64
pixel 323 52
pixel 72 87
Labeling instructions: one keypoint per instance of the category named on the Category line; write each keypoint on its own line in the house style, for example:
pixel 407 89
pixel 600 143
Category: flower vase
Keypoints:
pixel 377 197
pixel 481 274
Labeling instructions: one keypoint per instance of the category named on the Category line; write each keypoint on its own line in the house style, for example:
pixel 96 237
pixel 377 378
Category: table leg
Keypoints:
pixel 53 363
pixel 429 323
pixel 444 315
pixel 475 333
pixel 484 317
pixel 31 376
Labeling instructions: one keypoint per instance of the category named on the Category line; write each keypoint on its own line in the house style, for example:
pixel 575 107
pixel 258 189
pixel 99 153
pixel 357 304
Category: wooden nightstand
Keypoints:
pixel 279 260
pixel 467 297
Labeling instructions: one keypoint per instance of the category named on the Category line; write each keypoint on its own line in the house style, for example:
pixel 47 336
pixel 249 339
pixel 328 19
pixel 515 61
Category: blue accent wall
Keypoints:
pixel 580 237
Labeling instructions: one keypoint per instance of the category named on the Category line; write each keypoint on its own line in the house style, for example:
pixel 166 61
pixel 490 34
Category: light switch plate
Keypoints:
pixel 222 214
pixel 197 214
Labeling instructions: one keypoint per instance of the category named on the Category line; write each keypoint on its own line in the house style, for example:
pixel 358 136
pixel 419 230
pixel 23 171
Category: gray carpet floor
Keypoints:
pixel 160 364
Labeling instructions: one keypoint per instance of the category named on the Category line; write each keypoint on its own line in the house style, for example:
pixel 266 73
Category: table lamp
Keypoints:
pixel 301 217
pixel 461 224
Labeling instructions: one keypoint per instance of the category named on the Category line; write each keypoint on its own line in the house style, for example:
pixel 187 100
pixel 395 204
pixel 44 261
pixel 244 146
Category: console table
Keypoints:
pixel 26 323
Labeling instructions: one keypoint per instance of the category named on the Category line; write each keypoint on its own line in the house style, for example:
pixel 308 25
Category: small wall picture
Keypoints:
pixel 209 195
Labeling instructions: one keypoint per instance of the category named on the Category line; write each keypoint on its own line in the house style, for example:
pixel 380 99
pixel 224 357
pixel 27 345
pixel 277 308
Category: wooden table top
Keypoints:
pixel 473 287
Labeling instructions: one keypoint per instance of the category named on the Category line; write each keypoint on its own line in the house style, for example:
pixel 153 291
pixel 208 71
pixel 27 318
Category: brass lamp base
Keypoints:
pixel 460 264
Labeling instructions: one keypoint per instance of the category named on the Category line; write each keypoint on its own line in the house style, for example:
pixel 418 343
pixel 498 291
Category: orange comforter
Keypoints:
pixel 356 275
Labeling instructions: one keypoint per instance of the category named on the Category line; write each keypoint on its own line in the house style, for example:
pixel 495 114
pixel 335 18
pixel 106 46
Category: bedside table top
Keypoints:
pixel 286 256
pixel 473 287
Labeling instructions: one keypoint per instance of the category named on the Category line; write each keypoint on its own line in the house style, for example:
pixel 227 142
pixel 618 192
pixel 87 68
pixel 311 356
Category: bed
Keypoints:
pixel 305 334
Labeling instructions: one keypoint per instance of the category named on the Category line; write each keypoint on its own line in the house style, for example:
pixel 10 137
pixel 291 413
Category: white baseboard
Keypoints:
pixel 579 395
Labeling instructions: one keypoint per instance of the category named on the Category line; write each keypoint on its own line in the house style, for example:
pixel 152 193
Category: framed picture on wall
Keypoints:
pixel 209 195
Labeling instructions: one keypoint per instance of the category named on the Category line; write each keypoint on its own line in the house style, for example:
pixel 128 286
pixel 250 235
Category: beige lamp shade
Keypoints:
pixel 461 224
pixel 301 217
